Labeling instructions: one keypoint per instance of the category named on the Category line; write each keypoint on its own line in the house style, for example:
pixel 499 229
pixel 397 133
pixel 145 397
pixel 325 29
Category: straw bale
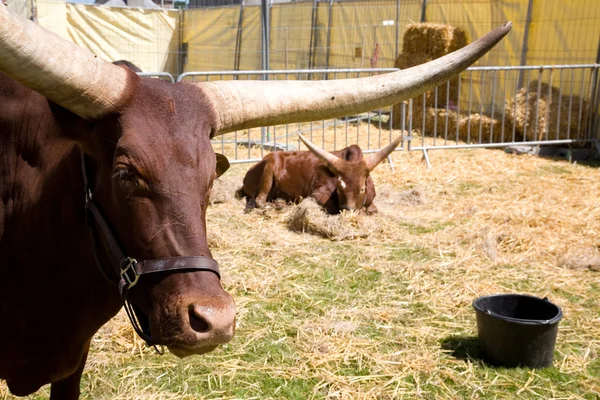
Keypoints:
pixel 435 40
pixel 423 43
pixel 521 111
pixel 309 217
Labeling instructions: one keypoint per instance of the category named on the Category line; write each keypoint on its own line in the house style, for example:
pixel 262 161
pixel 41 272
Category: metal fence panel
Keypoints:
pixel 556 105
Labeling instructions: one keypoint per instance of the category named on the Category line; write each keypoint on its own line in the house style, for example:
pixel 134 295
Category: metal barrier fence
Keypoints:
pixel 159 75
pixel 484 107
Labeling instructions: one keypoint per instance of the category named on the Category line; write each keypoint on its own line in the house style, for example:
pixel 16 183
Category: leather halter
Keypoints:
pixel 124 271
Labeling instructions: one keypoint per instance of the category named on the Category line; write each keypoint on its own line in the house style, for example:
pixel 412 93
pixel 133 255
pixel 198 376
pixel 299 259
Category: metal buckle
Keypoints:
pixel 129 266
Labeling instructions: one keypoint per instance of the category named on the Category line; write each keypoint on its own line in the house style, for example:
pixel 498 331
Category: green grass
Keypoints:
pixel 388 316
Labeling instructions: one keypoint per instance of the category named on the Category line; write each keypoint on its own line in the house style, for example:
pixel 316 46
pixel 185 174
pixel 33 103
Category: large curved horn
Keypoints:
pixel 324 155
pixel 60 70
pixel 382 154
pixel 247 104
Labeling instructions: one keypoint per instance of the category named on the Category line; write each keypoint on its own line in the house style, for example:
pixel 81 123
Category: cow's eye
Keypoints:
pixel 125 175
pixel 363 189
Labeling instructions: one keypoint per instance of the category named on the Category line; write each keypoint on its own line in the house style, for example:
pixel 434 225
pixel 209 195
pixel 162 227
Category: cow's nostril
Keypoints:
pixel 197 322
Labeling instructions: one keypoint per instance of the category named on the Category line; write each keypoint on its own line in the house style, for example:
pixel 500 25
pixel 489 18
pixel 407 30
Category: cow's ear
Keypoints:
pixel 222 164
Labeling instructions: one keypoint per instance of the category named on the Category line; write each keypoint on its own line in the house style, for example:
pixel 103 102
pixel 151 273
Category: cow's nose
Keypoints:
pixel 212 324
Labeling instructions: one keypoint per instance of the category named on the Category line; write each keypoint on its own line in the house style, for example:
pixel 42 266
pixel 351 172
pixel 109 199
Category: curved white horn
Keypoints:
pixel 378 157
pixel 60 70
pixel 247 104
pixel 319 152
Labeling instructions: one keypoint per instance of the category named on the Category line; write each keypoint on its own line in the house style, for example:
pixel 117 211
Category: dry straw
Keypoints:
pixel 541 112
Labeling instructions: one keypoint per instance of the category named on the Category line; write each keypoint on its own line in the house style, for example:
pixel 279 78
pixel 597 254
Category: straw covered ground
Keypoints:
pixel 385 311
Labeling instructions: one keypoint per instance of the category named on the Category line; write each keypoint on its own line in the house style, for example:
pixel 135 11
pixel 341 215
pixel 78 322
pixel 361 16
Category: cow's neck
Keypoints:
pixel 58 297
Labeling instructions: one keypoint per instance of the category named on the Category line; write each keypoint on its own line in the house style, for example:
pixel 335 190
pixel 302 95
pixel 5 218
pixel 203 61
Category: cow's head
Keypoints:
pixel 154 164
pixel 351 171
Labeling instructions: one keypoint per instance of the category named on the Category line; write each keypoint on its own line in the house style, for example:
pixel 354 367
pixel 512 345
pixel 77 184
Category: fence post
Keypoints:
pixel 595 101
pixel 266 36
pixel 183 46
pixel 313 27
pixel 424 11
pixel 266 29
pixel 329 22
pixel 34 14
pixel 525 41
pixel 238 40
pixel 397 27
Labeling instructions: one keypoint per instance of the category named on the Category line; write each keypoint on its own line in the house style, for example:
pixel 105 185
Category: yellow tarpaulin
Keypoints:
pixel 148 38
pixel 290 35
pixel 210 37
pixel 358 26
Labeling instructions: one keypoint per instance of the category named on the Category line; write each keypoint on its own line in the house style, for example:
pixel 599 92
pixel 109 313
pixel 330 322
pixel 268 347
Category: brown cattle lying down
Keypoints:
pixel 337 181
pixel 105 178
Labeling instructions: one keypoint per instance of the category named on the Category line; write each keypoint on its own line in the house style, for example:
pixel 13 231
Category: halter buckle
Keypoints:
pixel 126 271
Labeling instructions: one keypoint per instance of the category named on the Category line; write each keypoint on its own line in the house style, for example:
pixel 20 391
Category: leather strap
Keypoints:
pixel 177 263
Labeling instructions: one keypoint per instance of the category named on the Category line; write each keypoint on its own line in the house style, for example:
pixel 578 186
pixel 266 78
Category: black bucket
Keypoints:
pixel 517 330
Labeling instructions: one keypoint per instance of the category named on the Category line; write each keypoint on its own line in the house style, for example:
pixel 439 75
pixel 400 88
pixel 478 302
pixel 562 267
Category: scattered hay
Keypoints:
pixel 551 116
pixel 434 40
pixel 309 217
pixel 411 197
pixel 582 258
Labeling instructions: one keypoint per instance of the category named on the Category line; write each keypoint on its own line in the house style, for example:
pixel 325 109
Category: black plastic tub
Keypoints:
pixel 517 330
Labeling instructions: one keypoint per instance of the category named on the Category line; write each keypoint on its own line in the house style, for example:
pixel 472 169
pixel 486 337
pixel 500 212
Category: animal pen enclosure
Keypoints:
pixel 551 55
pixel 386 315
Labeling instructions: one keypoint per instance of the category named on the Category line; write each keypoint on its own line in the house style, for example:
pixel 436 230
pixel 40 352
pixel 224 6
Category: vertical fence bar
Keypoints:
pixel 238 40
pixel 266 28
pixel 595 103
pixel 560 103
pixel 397 50
pixel 525 48
pixel 536 116
pixel 424 11
pixel 502 129
pixel 547 116
pixel 570 104
pixel 313 36
pixel 329 23
pixel 493 106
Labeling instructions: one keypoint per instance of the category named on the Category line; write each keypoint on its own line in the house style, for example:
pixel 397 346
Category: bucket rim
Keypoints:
pixel 551 321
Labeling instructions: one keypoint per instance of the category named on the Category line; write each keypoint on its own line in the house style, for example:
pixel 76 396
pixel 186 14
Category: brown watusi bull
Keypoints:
pixel 131 229
pixel 337 181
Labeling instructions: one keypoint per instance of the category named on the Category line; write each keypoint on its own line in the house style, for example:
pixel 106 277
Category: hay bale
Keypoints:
pixel 309 217
pixel 521 111
pixel 423 43
pixel 434 40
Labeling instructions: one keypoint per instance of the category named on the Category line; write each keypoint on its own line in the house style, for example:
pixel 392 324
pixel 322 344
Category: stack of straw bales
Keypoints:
pixel 425 42
pixel 534 115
